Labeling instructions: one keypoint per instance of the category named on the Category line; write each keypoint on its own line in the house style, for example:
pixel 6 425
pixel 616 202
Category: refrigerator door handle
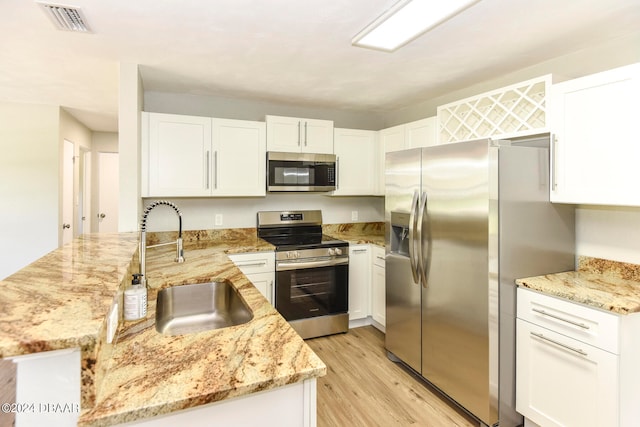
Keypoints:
pixel 422 262
pixel 412 240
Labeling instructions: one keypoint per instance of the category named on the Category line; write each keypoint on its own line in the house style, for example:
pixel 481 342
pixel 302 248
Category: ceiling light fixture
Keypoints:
pixel 405 21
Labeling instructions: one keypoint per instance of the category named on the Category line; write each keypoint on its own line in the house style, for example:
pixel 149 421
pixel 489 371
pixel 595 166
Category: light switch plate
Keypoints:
pixel 112 323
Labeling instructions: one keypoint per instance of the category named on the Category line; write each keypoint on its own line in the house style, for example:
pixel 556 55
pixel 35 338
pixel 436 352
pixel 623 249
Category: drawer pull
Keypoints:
pixel 544 313
pixel 575 350
pixel 381 258
pixel 251 264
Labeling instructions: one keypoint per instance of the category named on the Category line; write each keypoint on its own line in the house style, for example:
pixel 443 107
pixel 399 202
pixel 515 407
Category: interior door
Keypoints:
pixel 108 192
pixel 67 191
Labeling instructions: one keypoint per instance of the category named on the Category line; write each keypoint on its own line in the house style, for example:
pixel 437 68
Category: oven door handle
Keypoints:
pixel 299 265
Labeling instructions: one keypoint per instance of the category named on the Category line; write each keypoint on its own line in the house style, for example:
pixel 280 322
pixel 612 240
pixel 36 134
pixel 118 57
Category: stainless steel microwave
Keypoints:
pixel 300 172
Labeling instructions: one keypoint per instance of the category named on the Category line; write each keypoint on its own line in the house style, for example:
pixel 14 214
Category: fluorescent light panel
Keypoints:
pixel 406 20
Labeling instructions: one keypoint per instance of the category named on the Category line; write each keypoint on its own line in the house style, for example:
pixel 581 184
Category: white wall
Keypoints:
pixel 129 118
pixel 199 214
pixel 612 54
pixel 608 232
pixel 29 183
pixel 74 131
pixel 244 109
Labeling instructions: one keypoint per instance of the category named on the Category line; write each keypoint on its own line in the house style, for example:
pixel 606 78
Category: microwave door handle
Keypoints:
pixel 412 240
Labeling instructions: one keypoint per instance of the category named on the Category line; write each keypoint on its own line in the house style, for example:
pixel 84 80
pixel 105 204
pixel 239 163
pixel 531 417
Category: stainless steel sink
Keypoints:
pixel 200 307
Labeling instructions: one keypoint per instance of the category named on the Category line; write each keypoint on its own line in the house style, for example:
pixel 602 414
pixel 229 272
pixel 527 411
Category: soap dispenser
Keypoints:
pixel 135 300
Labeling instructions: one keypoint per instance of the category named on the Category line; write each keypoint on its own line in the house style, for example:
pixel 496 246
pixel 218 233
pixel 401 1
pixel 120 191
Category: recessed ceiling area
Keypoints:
pixel 284 51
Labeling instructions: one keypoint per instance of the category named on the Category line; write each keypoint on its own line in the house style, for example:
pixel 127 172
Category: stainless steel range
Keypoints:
pixel 312 272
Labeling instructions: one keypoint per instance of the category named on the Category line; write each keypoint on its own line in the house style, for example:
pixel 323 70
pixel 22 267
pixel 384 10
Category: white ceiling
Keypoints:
pixel 289 51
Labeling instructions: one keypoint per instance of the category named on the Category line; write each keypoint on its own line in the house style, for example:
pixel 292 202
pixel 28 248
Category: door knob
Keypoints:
pixel 101 216
pixel 66 226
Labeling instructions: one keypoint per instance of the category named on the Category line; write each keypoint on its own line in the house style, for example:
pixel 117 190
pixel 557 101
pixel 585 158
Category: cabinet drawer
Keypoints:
pixel 378 256
pixel 255 262
pixel 589 325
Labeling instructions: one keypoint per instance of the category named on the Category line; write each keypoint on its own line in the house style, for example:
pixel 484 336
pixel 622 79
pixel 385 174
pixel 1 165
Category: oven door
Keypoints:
pixel 307 289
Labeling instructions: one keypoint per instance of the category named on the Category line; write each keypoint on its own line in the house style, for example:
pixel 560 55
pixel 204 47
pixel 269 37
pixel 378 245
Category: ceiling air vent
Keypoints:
pixel 66 18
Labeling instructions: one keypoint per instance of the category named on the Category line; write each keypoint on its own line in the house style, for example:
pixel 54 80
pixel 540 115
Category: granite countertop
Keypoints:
pixel 62 301
pixel 603 284
pixel 357 233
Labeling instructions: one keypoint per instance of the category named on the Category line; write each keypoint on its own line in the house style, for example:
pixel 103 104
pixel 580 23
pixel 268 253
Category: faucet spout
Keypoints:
pixel 143 237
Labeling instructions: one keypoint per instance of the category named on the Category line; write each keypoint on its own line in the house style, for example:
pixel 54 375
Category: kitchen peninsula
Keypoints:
pixel 62 301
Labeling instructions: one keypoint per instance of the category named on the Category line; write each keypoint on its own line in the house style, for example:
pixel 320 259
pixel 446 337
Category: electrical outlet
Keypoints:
pixel 354 215
pixel 112 323
pixel 218 220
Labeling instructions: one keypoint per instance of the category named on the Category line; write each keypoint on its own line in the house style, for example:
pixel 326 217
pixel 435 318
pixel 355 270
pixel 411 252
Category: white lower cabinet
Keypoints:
pixel 378 299
pixel 564 382
pixel 359 281
pixel 259 267
pixel 47 389
pixel 293 405
pixel 575 364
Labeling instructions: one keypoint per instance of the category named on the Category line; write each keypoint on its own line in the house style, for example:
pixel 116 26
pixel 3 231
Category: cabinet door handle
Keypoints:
pixel 575 350
pixel 298 134
pixel 544 313
pixel 215 170
pixel 554 164
pixel 207 176
pixel 305 134
pixel 355 251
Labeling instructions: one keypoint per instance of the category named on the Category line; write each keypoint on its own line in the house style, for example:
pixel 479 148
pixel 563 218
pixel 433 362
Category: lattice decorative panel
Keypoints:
pixel 511 111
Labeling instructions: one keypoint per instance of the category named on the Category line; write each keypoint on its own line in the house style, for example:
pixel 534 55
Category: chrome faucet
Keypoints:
pixel 143 238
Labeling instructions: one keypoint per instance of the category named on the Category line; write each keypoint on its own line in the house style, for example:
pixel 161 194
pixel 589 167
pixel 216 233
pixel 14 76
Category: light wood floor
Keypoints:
pixel 363 388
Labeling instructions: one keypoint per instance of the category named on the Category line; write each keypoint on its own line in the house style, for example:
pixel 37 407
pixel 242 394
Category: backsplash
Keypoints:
pixel 608 268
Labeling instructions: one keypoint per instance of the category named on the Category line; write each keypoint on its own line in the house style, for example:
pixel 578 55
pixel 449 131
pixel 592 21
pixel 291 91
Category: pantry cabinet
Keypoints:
pixel 576 365
pixel 259 267
pixel 595 148
pixel 291 134
pixel 192 156
pixel 359 281
pixel 357 157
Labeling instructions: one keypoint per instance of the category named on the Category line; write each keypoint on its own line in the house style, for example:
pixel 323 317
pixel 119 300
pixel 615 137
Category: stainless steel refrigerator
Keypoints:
pixel 463 221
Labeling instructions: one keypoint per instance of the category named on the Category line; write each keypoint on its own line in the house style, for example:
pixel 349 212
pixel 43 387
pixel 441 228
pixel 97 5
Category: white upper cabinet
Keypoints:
pixel 176 155
pixel 357 153
pixel 239 156
pixel 420 133
pixel 191 156
pixel 291 134
pixel 596 147
pixel 392 139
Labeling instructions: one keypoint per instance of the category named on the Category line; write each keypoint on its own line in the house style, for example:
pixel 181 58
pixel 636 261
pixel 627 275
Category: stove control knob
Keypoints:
pixel 297 254
pixel 332 251
pixel 291 254
pixel 338 251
